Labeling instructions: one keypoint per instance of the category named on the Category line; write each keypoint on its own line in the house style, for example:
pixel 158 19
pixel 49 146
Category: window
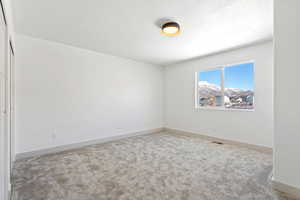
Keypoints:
pixel 228 87
pixel 209 88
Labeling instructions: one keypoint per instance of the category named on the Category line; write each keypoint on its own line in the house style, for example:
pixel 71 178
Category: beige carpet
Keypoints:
pixel 151 167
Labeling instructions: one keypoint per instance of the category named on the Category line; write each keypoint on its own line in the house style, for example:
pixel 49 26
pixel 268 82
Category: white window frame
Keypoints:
pixel 222 108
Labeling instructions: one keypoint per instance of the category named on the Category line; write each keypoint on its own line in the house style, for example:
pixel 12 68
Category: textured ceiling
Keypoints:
pixel 130 28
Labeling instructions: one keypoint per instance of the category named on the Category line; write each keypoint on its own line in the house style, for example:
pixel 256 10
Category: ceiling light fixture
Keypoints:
pixel 170 29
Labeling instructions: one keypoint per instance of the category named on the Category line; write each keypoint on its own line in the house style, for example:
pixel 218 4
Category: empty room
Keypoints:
pixel 149 100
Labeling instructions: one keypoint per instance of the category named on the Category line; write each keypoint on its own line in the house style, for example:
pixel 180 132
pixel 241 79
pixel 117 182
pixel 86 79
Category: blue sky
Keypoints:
pixel 211 76
pixel 237 76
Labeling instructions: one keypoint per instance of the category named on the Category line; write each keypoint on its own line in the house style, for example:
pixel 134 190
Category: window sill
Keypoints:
pixel 224 109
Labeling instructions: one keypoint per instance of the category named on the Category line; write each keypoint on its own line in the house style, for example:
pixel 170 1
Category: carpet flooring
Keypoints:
pixel 160 166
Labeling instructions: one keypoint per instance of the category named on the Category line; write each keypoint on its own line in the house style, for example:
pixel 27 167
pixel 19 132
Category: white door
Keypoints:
pixel 7 114
pixel 12 105
pixel 4 146
pixel 2 115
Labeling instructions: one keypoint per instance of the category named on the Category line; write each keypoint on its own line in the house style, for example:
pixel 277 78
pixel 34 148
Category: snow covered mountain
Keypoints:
pixel 206 90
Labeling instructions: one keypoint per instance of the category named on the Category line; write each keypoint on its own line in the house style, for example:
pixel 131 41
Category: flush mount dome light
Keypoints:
pixel 170 29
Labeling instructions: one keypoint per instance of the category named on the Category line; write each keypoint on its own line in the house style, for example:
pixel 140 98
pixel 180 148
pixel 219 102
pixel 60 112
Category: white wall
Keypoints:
pixel 287 92
pixel 68 95
pixel 250 127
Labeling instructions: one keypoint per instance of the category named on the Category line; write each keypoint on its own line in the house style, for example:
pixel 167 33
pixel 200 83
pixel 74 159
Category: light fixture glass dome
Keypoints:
pixel 170 29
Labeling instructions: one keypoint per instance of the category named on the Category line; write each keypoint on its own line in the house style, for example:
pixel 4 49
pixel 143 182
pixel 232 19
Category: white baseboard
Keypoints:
pixel 9 191
pixel 103 140
pixel 289 191
pixel 83 144
pixel 225 141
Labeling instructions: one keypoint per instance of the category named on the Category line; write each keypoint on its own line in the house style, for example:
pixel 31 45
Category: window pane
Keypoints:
pixel 239 85
pixel 209 88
